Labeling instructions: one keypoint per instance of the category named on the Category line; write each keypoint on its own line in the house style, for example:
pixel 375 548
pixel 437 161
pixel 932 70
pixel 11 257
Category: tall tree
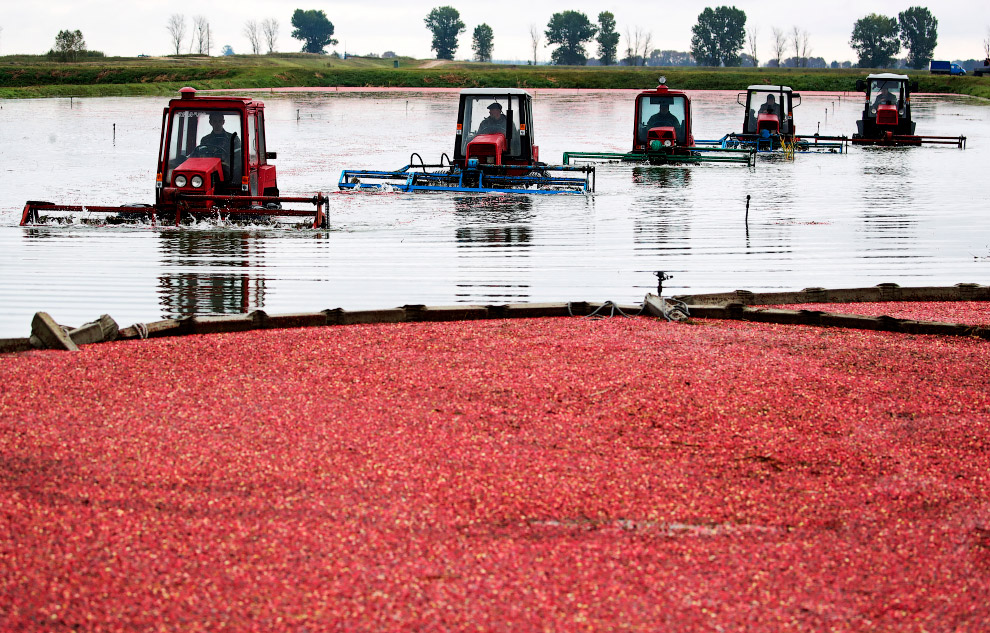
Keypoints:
pixel 314 29
pixel 608 39
pixel 201 35
pixel 919 34
pixel 633 40
pixel 718 37
pixel 69 44
pixel 483 42
pixel 445 22
pixel 800 40
pixel 536 38
pixel 751 39
pixel 779 44
pixel 569 29
pixel 269 28
pixel 874 38
pixel 645 49
pixel 176 27
pixel 254 36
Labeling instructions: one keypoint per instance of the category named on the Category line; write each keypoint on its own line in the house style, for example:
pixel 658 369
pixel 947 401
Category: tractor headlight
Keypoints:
pixel 667 143
pixel 180 181
pixel 197 181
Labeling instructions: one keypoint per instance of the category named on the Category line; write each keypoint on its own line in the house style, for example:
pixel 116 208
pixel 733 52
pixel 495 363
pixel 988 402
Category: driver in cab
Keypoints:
pixel 495 122
pixel 770 107
pixel 219 137
pixel 884 97
pixel 663 118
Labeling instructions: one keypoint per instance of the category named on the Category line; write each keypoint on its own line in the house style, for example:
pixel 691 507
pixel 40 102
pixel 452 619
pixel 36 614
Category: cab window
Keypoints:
pixel 662 111
pixel 886 92
pixel 204 134
pixel 480 118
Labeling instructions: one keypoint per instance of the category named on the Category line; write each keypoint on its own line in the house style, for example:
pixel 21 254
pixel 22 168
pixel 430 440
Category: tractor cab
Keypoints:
pixel 213 146
pixel 769 110
pixel 494 127
pixel 663 120
pixel 887 112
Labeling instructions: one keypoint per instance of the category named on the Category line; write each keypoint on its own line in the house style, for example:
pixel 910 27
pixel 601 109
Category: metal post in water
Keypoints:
pixel 747 210
pixel 114 133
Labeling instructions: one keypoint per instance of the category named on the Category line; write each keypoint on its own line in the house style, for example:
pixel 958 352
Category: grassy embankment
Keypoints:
pixel 35 76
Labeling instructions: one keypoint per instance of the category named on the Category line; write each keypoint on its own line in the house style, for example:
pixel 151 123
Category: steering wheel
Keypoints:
pixel 209 151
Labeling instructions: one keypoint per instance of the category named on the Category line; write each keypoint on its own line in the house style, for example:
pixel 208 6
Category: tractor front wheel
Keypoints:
pixel 272 192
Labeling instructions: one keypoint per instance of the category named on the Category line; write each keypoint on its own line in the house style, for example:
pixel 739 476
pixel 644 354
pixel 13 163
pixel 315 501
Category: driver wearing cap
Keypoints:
pixel 494 123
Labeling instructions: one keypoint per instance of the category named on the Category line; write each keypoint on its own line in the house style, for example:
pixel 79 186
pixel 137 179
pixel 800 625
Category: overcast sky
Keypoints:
pixel 376 26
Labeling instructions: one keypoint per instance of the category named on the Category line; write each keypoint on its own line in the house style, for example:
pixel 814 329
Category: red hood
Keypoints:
pixel 204 165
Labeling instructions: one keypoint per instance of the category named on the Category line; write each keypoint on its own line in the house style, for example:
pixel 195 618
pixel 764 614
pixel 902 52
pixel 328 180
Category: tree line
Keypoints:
pixel 719 38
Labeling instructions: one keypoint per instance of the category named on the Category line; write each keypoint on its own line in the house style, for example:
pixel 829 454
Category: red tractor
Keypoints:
pixel 663 116
pixel 494 151
pixel 212 163
pixel 887 118
pixel 662 134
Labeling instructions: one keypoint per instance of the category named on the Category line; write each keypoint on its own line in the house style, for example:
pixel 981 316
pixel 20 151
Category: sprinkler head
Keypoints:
pixel 661 277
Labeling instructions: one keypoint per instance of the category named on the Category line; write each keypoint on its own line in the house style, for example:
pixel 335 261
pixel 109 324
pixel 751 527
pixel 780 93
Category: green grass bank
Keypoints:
pixel 36 76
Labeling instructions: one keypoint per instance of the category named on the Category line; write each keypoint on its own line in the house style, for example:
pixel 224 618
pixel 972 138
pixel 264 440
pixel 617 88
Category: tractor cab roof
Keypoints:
pixel 888 77
pixel 891 81
pixel 189 99
pixel 759 92
pixel 661 89
pixel 495 91
pixel 768 88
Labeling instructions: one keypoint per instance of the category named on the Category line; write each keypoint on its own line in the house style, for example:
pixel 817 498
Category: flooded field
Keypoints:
pixel 914 216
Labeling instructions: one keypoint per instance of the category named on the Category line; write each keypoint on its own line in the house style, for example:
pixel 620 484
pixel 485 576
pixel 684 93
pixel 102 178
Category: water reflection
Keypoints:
pixel 666 228
pixel 494 221
pixel 889 191
pixel 198 287
pixel 667 177
pixel 494 236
